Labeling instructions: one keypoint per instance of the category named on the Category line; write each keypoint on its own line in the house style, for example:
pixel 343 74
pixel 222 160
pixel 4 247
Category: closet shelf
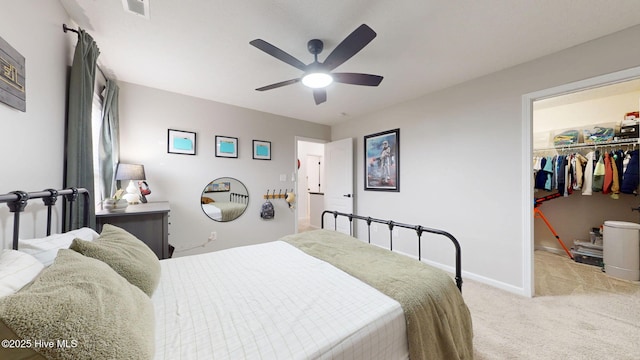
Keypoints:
pixel 632 141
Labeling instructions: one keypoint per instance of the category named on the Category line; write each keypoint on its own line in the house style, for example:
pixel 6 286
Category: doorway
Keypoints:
pixel 575 90
pixel 310 183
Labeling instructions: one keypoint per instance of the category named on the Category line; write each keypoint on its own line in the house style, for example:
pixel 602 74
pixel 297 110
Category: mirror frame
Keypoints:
pixel 223 186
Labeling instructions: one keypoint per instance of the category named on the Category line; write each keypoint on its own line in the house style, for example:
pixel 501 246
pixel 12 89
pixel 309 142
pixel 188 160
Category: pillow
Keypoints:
pixel 126 254
pixel 17 269
pixel 45 249
pixel 81 309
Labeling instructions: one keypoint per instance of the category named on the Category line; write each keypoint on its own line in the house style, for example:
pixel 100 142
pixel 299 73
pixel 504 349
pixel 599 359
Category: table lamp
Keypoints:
pixel 131 172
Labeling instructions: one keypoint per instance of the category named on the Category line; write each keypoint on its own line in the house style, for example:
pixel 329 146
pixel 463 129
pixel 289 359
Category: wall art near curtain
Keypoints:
pixel 226 146
pixel 261 150
pixel 181 142
pixel 12 77
pixel 382 161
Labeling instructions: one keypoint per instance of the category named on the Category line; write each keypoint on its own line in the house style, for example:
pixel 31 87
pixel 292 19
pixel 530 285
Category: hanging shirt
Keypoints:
pixel 541 175
pixel 631 177
pixel 560 172
pixel 581 161
pixel 588 175
pixel 619 164
pixel 608 174
pixel 615 184
pixel 598 175
pixel 548 171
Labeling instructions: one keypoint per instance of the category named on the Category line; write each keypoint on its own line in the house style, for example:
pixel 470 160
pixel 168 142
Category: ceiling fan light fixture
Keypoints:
pixel 317 80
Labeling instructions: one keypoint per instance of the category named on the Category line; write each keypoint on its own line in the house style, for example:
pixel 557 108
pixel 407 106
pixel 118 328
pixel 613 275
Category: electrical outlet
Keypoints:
pixel 213 236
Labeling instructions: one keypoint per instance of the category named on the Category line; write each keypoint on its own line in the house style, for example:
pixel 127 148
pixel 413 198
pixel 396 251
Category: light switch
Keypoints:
pixel 283 177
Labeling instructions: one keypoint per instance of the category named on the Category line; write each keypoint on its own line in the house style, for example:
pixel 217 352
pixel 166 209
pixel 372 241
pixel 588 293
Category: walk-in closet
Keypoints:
pixel 576 137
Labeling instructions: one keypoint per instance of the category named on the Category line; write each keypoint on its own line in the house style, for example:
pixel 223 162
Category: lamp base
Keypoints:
pixel 132 196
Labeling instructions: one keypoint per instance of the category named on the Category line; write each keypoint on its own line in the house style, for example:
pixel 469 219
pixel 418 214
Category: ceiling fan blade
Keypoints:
pixel 280 84
pixel 357 79
pixel 278 54
pixel 319 95
pixel 350 46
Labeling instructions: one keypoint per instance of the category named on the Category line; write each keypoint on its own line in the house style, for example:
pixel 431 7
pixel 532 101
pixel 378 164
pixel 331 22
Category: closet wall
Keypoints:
pixel 573 216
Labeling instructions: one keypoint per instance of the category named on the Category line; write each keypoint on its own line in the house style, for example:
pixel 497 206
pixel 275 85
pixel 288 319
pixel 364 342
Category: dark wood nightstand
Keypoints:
pixel 149 222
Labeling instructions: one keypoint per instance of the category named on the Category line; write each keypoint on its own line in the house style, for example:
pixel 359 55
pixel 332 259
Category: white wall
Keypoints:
pixel 32 146
pixel 572 217
pixel 461 158
pixel 145 116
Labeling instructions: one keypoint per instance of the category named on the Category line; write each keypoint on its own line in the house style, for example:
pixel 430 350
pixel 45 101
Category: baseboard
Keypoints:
pixel 475 277
pixel 551 250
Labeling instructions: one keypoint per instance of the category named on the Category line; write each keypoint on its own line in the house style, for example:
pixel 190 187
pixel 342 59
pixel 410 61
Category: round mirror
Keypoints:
pixel 224 199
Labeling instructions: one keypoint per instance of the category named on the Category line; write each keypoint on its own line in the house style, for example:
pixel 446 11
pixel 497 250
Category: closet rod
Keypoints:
pixel 633 141
pixel 65 28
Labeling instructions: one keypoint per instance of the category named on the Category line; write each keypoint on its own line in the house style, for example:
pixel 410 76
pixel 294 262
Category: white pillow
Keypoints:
pixel 17 269
pixel 46 249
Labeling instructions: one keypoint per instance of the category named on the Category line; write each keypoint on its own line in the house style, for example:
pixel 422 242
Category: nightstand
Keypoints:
pixel 149 222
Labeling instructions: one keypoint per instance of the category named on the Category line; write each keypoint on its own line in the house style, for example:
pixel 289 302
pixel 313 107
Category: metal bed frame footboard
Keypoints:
pixel 391 224
pixel 17 201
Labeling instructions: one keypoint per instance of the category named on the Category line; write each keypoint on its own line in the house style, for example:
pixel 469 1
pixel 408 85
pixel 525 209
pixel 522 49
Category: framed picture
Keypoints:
pixel 382 161
pixel 181 142
pixel 218 187
pixel 261 150
pixel 226 146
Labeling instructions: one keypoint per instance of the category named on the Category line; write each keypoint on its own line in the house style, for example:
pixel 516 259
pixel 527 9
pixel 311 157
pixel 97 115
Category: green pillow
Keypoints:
pixel 78 308
pixel 126 254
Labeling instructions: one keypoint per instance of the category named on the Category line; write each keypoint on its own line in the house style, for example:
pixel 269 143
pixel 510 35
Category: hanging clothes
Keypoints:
pixel 608 174
pixel 615 183
pixel 580 162
pixel 588 175
pixel 598 175
pixel 541 174
pixel 560 174
pixel 631 176
pixel 619 163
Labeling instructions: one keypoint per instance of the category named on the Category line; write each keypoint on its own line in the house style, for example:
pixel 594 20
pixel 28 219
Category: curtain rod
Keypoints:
pixel 65 28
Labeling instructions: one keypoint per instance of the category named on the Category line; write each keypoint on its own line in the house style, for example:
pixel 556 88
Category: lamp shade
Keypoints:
pixel 130 172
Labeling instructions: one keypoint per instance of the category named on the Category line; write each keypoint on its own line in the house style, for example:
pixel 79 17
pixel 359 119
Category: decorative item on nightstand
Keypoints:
pixel 131 172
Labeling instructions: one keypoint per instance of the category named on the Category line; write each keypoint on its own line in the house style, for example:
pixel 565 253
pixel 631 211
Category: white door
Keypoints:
pixel 313 173
pixel 338 189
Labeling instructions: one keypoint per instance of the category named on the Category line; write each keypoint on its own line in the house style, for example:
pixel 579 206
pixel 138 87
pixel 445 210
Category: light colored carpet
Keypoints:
pixel 578 313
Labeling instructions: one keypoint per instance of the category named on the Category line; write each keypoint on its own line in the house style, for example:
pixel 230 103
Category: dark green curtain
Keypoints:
pixel 109 149
pixel 79 149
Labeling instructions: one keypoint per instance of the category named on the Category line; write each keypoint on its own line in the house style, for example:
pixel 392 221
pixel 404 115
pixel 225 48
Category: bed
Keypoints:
pixel 315 295
pixel 225 211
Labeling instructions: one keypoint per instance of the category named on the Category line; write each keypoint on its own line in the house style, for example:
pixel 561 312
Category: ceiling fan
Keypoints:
pixel 318 75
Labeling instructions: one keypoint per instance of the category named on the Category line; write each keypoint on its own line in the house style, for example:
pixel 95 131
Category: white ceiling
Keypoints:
pixel 201 47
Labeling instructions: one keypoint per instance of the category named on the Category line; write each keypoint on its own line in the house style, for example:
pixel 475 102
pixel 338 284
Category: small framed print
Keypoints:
pixel 261 150
pixel 181 142
pixel 226 146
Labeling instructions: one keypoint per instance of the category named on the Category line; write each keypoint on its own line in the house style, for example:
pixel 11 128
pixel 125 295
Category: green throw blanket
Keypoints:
pixel 438 321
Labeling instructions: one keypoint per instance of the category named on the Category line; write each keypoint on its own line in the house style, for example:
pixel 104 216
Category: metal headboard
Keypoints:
pixel 391 224
pixel 238 198
pixel 17 201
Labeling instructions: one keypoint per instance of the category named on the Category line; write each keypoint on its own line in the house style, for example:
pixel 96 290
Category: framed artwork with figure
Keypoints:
pixel 382 161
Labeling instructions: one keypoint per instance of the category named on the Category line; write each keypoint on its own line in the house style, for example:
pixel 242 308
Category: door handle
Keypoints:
pixel 347 195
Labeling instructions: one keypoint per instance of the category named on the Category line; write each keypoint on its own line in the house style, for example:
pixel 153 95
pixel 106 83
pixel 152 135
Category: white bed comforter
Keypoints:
pixel 271 301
